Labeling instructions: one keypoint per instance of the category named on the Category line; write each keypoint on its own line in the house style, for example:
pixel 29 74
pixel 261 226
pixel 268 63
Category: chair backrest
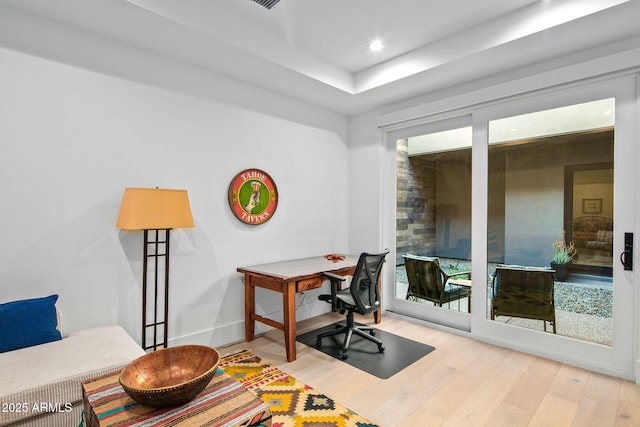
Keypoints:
pixel 426 278
pixel 364 284
pixel 523 290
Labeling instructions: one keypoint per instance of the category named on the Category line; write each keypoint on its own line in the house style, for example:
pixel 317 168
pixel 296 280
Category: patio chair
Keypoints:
pixel 428 281
pixel 524 292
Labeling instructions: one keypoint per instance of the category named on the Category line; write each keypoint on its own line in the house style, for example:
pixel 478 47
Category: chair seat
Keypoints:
pixel 343 297
pixel 347 300
pixel 527 310
pixel 455 292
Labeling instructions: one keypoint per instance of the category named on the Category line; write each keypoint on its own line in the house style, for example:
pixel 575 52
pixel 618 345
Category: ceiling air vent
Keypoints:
pixel 267 3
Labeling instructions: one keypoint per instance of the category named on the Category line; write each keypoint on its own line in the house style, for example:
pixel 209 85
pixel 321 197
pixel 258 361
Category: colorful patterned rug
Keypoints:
pixel 292 403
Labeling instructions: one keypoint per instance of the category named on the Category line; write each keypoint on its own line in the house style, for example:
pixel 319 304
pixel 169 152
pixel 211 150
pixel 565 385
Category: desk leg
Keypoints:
pixel 289 308
pixel 249 308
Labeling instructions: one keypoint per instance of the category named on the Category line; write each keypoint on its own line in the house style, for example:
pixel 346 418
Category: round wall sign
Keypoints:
pixel 253 196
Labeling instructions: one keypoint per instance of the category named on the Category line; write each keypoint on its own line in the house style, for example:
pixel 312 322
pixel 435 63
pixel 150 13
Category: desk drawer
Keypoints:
pixel 305 285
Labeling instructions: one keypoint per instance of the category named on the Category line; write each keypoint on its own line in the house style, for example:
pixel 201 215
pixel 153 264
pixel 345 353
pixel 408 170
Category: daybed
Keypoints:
pixel 41 384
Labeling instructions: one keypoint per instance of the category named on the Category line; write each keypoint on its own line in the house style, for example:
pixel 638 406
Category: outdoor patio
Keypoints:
pixel 584 304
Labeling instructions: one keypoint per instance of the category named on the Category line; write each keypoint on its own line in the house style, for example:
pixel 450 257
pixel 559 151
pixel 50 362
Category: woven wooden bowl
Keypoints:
pixel 171 376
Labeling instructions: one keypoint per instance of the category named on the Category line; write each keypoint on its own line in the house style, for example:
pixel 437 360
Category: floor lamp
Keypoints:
pixel 155 211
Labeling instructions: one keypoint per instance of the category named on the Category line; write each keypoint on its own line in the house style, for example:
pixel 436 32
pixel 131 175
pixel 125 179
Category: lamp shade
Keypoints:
pixel 154 209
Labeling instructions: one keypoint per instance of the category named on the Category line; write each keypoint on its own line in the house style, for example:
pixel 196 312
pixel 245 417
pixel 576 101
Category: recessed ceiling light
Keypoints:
pixel 376 45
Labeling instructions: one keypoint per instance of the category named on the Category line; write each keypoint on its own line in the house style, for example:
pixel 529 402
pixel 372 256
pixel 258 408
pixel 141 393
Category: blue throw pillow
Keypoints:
pixel 28 322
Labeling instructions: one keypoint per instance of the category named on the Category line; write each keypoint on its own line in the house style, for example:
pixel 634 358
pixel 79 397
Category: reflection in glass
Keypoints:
pixel 589 215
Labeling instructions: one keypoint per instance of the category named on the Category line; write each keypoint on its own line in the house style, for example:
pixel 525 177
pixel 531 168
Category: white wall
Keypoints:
pixel 73 139
pixel 365 182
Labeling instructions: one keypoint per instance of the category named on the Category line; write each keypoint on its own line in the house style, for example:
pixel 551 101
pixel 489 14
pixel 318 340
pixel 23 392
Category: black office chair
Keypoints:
pixel 361 297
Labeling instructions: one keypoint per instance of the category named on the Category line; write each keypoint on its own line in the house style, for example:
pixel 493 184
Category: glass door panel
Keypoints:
pixel 557 170
pixel 433 223
pixel 535 213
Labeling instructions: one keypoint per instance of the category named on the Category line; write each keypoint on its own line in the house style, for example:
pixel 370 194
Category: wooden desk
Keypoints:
pixel 223 403
pixel 288 278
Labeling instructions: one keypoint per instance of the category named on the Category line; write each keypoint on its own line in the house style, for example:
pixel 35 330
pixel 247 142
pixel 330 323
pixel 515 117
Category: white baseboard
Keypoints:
pixel 219 336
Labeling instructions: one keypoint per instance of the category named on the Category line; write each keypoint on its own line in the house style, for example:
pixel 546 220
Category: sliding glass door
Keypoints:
pixel 525 205
pixel 556 173
pixel 433 223
pixel 551 206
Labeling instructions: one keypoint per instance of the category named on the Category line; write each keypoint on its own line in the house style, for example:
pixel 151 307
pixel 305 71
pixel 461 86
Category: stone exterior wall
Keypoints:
pixel 415 210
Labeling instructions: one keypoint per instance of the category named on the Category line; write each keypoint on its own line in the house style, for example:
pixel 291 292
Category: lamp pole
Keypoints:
pixel 154 255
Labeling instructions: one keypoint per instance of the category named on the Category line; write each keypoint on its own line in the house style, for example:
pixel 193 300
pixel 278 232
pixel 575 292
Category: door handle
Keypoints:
pixel 626 257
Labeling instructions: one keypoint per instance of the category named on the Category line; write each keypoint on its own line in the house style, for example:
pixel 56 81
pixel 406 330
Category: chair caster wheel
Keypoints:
pixel 381 348
pixel 345 355
pixel 372 333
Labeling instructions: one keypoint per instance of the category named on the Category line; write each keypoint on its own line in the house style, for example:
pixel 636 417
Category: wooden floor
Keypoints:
pixel 462 383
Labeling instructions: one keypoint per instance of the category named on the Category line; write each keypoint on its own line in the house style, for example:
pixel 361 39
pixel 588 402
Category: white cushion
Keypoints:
pixel 52 372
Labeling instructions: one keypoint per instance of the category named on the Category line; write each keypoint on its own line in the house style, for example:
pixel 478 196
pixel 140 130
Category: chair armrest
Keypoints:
pixel 459 273
pixel 334 279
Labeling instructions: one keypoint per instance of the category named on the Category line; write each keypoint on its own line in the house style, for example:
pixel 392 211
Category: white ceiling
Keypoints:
pixel 316 50
pixel 335 32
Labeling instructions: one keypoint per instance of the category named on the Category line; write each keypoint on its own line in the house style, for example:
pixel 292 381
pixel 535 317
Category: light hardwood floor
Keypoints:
pixel 462 383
